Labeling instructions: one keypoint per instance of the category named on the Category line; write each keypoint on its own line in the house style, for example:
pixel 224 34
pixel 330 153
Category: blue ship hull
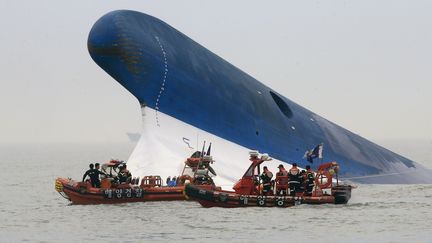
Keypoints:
pixel 167 71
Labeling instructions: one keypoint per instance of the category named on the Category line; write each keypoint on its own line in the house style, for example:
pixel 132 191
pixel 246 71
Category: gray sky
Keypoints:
pixel 365 65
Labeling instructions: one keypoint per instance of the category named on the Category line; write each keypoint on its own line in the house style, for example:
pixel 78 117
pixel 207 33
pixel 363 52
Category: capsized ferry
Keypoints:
pixel 187 93
pixel 197 171
pixel 248 193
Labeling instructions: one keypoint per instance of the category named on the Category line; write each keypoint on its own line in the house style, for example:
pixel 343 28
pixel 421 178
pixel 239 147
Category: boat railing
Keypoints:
pixel 151 181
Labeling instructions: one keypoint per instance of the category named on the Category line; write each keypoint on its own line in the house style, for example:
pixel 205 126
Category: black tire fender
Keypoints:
pixel 261 201
pixel 280 202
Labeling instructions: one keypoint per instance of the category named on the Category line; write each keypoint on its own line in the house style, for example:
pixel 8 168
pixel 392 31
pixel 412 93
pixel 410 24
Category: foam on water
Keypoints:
pixel 31 210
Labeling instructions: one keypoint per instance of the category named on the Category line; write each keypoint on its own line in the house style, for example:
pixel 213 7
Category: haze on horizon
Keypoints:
pixel 364 65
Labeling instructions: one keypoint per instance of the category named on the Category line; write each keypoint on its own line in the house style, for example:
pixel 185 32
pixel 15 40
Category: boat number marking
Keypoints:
pixel 261 200
pixel 244 199
pixel 280 201
pixel 123 193
pixel 202 192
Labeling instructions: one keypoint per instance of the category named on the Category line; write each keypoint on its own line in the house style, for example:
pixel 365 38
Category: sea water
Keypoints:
pixel 31 210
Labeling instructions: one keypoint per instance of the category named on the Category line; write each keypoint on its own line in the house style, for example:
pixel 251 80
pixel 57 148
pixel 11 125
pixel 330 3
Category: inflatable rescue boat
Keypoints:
pixel 248 190
pixel 150 188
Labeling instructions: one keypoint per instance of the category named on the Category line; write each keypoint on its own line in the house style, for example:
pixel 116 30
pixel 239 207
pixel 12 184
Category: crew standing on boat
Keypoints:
pixel 94 173
pixel 294 179
pixel 302 178
pixel 282 171
pixel 90 173
pixel 266 177
pixel 281 181
pixel 97 174
pixel 309 180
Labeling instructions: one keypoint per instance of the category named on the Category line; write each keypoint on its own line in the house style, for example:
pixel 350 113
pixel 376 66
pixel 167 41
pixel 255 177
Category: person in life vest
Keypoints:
pixel 309 180
pixel 282 181
pixel 124 176
pixel 266 177
pixel 294 179
pixel 282 171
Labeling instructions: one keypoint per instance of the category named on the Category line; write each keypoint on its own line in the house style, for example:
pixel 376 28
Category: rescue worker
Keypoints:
pixel 302 180
pixel 266 177
pixel 168 180
pixel 294 179
pixel 90 173
pixel 281 181
pixel 309 180
pixel 97 174
pixel 94 173
pixel 124 176
pixel 282 171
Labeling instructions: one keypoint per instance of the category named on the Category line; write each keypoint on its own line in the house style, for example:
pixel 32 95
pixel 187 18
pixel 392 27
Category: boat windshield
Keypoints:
pixel 109 170
pixel 250 171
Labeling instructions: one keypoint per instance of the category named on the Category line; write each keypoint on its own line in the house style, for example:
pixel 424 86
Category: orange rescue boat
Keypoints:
pixel 247 191
pixel 151 188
